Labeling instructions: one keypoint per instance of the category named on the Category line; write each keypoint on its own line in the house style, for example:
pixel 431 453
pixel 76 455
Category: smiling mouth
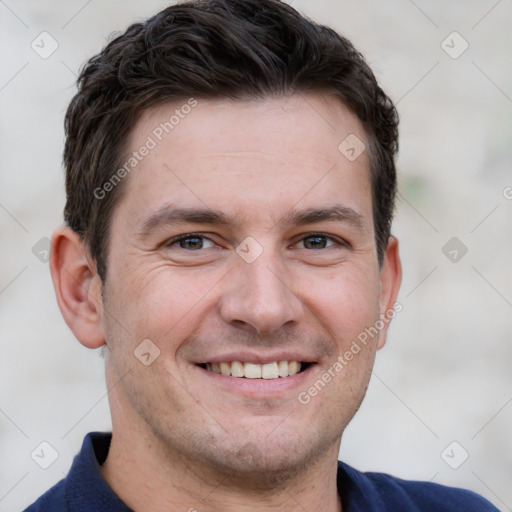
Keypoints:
pixel 268 371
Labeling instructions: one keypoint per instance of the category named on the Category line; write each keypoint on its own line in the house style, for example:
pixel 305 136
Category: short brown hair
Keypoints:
pixel 234 49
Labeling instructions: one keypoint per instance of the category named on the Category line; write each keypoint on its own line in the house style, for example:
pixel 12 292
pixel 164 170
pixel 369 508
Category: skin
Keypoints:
pixel 184 437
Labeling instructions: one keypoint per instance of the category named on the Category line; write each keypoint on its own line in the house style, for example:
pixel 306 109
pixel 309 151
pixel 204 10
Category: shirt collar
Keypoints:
pixel 86 489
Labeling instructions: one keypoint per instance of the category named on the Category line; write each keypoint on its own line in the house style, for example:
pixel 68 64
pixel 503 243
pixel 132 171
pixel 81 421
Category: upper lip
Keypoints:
pixel 257 357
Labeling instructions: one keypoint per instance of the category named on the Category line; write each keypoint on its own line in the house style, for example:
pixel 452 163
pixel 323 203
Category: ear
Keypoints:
pixel 390 280
pixel 78 287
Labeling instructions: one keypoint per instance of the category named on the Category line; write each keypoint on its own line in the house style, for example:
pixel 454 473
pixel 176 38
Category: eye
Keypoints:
pixel 191 242
pixel 317 241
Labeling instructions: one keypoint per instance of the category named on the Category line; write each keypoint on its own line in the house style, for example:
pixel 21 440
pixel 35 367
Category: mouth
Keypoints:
pixel 266 371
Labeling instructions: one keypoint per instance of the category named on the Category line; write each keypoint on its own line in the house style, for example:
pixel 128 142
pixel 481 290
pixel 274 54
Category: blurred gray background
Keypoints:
pixel 439 406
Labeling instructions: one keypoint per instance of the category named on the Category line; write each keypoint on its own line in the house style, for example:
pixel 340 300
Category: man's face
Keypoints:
pixel 244 240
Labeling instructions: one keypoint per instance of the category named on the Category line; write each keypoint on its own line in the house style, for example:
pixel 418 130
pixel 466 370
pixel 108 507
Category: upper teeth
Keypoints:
pixel 256 371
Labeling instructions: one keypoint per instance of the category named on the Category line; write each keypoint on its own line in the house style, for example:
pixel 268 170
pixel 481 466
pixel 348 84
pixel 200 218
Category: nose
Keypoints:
pixel 259 297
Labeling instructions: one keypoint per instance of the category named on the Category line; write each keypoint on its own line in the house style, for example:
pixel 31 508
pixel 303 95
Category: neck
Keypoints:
pixel 147 477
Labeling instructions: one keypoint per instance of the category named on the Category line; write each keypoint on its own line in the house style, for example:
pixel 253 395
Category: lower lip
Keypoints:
pixel 258 388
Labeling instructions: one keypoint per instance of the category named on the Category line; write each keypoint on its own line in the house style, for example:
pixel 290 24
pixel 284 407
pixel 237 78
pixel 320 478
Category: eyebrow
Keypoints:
pixel 334 213
pixel 170 215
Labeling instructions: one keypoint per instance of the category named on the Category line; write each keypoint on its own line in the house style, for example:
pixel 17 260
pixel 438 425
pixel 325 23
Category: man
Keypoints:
pixel 230 186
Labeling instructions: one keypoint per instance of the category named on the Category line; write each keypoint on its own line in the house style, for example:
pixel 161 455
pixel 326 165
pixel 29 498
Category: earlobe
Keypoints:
pixel 390 280
pixel 77 287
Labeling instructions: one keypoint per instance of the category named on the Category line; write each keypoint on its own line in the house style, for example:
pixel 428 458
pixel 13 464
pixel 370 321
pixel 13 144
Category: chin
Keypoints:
pixel 264 463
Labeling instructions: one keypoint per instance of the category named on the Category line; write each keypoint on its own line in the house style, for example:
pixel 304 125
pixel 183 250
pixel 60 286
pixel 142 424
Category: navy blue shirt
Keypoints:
pixel 85 490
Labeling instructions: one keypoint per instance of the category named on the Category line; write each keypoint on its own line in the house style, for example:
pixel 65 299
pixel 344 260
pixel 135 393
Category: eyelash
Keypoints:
pixel 329 238
pixel 176 240
pixel 338 241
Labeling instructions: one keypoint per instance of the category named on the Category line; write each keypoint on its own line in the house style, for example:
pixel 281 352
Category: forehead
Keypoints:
pixel 250 157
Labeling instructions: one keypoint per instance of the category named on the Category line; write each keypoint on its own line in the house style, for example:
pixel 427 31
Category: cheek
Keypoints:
pixel 160 302
pixel 346 301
